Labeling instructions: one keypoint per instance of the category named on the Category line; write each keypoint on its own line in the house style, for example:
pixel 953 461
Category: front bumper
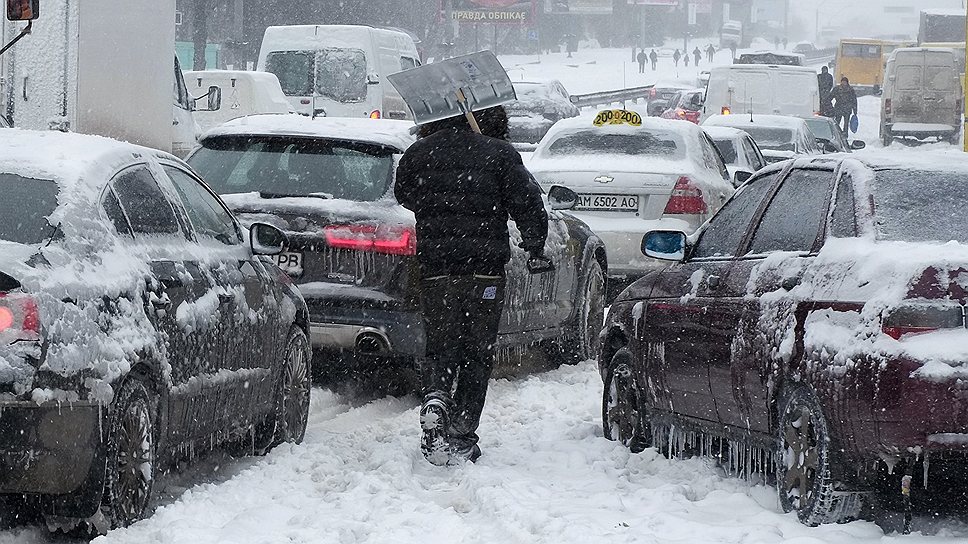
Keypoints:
pixel 48 449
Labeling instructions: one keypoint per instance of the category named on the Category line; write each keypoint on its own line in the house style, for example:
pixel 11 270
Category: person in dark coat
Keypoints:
pixel 698 54
pixel 710 52
pixel 844 104
pixel 642 58
pixel 685 60
pixel 654 57
pixel 463 187
pixel 676 56
pixel 825 80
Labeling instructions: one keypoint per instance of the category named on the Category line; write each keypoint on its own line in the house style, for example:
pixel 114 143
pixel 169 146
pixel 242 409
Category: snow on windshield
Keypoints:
pixel 657 143
pixel 24 209
pixel 920 206
pixel 771 137
pixel 340 74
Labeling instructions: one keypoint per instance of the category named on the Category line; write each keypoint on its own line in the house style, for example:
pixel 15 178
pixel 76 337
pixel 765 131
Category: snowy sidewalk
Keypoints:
pixel 547 475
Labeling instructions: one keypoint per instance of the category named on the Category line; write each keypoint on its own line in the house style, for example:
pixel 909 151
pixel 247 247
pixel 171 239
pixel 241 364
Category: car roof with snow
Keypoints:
pixel 386 132
pixel 744 120
pixel 724 133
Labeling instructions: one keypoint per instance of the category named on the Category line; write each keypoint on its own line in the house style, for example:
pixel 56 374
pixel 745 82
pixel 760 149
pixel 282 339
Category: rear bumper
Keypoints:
pixel 921 130
pixel 623 241
pixel 367 331
pixel 48 449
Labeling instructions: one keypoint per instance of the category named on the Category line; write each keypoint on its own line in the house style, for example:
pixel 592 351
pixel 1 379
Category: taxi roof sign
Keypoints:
pixel 617 117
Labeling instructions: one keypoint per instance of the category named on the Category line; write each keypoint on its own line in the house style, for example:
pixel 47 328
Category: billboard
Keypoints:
pixel 582 7
pixel 511 12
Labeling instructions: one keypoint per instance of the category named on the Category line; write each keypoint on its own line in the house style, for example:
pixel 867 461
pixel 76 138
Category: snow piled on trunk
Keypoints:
pixel 547 475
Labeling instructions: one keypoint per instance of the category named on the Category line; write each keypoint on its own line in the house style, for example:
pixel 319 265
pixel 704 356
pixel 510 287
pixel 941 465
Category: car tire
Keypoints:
pixel 290 414
pixel 622 414
pixel 129 457
pixel 803 461
pixel 582 343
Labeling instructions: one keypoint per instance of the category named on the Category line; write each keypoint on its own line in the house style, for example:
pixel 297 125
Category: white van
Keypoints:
pixel 243 93
pixel 339 70
pixel 922 95
pixel 762 88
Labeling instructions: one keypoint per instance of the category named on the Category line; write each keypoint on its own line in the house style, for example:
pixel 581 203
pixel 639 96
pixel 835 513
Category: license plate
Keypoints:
pixel 615 203
pixel 290 262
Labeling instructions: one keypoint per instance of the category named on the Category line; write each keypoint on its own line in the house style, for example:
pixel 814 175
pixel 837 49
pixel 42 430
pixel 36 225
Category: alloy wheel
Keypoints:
pixel 296 390
pixel 594 314
pixel 623 423
pixel 801 457
pixel 134 468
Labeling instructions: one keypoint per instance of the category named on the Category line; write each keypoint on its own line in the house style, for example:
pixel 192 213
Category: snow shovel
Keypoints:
pixel 454 87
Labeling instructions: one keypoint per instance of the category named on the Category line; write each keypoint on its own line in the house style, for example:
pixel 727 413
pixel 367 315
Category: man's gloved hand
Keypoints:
pixel 539 264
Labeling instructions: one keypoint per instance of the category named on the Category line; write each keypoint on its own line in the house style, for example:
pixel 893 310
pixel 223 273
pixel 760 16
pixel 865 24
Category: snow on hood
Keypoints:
pixel 252 208
pixel 390 133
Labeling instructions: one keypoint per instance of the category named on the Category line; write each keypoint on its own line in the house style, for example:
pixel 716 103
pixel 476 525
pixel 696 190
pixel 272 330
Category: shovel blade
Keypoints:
pixel 430 91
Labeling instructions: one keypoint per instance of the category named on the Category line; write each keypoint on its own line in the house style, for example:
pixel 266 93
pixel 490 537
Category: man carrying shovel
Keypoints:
pixel 463 180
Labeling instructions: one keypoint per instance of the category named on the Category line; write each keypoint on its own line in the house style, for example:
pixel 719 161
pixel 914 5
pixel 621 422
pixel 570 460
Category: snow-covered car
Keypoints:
pixel 639 175
pixel 660 95
pixel 829 136
pixel 814 327
pixel 779 137
pixel 685 106
pixel 740 152
pixel 138 324
pixel 539 106
pixel 804 48
pixel 328 184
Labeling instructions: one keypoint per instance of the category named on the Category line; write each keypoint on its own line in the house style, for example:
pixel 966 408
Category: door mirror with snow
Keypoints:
pixel 23 10
pixel 665 245
pixel 372 79
pixel 857 145
pixel 266 239
pixel 741 177
pixel 562 198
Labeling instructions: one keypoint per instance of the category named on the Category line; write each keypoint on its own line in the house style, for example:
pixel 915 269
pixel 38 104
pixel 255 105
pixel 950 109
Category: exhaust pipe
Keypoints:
pixel 372 342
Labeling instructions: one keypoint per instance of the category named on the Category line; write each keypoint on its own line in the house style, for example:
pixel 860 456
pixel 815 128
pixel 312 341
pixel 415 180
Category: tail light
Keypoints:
pixel 390 240
pixel 375 114
pixel 919 319
pixel 652 92
pixel 19 318
pixel 686 199
pixel 887 106
pixel 681 114
pixel 726 110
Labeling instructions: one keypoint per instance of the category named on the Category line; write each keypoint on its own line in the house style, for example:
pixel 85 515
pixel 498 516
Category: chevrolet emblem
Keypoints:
pixel 604 179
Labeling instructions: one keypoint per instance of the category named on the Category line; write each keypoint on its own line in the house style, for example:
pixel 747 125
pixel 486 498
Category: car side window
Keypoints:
pixel 714 160
pixel 406 63
pixel 795 215
pixel 206 213
pixel 843 220
pixel 721 238
pixel 144 203
pixel 114 213
pixel 751 157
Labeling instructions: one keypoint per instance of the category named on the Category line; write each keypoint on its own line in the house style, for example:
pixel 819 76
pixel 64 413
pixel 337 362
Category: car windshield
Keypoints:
pixel 728 149
pixel 822 129
pixel 774 138
pixel 340 73
pixel 24 208
pixel 660 143
pixel 286 166
pixel 920 205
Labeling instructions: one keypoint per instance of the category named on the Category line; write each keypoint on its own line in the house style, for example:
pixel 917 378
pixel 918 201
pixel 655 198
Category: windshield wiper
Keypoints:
pixel 322 196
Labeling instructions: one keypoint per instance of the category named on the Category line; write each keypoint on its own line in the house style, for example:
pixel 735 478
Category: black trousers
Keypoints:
pixel 461 318
pixel 843 121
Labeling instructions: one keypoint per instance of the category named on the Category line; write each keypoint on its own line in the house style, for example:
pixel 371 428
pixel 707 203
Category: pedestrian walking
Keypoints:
pixel 785 43
pixel 462 188
pixel 654 57
pixel 825 81
pixel 685 60
pixel 698 54
pixel 710 53
pixel 642 57
pixel 844 104
pixel 676 56
pixel 732 49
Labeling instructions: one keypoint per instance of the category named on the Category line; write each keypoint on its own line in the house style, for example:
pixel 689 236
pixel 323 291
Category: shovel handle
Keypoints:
pixel 467 111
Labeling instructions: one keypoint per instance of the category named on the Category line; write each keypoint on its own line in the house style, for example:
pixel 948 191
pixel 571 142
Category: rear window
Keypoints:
pixel 857 50
pixel 658 143
pixel 340 73
pixel 282 166
pixel 920 206
pixel 24 208
pixel 728 149
pixel 777 139
pixel 294 70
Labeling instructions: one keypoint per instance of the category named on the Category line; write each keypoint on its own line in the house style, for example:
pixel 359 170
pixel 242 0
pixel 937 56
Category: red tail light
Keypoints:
pixel 377 238
pixel 887 106
pixel 375 114
pixel 19 317
pixel 681 114
pixel 686 199
pixel 919 319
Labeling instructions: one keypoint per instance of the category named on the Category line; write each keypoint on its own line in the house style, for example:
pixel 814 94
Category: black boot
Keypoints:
pixel 434 423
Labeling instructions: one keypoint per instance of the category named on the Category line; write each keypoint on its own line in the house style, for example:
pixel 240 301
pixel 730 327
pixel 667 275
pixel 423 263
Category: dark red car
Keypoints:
pixel 818 320
pixel 685 106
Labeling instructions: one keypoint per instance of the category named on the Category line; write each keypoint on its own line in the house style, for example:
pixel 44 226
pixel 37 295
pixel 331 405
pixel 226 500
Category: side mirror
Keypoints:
pixel 664 245
pixel 827 146
pixel 741 177
pixel 562 198
pixel 372 79
pixel 23 10
pixel 266 239
pixel 214 98
pixel 857 145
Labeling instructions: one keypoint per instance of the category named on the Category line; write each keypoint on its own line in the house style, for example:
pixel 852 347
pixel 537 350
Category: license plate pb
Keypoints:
pixel 616 203
pixel 290 262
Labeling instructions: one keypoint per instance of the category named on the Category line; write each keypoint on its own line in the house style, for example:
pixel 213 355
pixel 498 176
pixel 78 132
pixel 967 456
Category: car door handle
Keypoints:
pixel 714 282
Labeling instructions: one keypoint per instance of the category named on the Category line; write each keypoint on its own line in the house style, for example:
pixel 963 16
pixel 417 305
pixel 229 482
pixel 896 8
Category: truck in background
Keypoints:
pixel 94 67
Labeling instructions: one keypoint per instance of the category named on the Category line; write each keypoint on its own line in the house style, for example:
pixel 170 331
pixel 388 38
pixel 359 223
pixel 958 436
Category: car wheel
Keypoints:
pixel 622 418
pixel 582 342
pixel 292 407
pixel 803 462
pixel 130 456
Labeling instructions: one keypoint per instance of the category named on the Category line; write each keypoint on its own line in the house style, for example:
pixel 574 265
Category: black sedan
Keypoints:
pixel 328 184
pixel 138 325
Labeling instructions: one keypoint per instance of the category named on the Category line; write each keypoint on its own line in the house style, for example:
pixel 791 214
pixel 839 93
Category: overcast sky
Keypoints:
pixel 863 18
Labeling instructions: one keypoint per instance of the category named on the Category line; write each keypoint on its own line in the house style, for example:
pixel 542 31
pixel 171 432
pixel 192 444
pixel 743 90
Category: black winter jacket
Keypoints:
pixel 462 187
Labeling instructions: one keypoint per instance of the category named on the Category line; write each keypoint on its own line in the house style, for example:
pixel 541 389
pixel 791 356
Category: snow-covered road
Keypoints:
pixel 547 475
